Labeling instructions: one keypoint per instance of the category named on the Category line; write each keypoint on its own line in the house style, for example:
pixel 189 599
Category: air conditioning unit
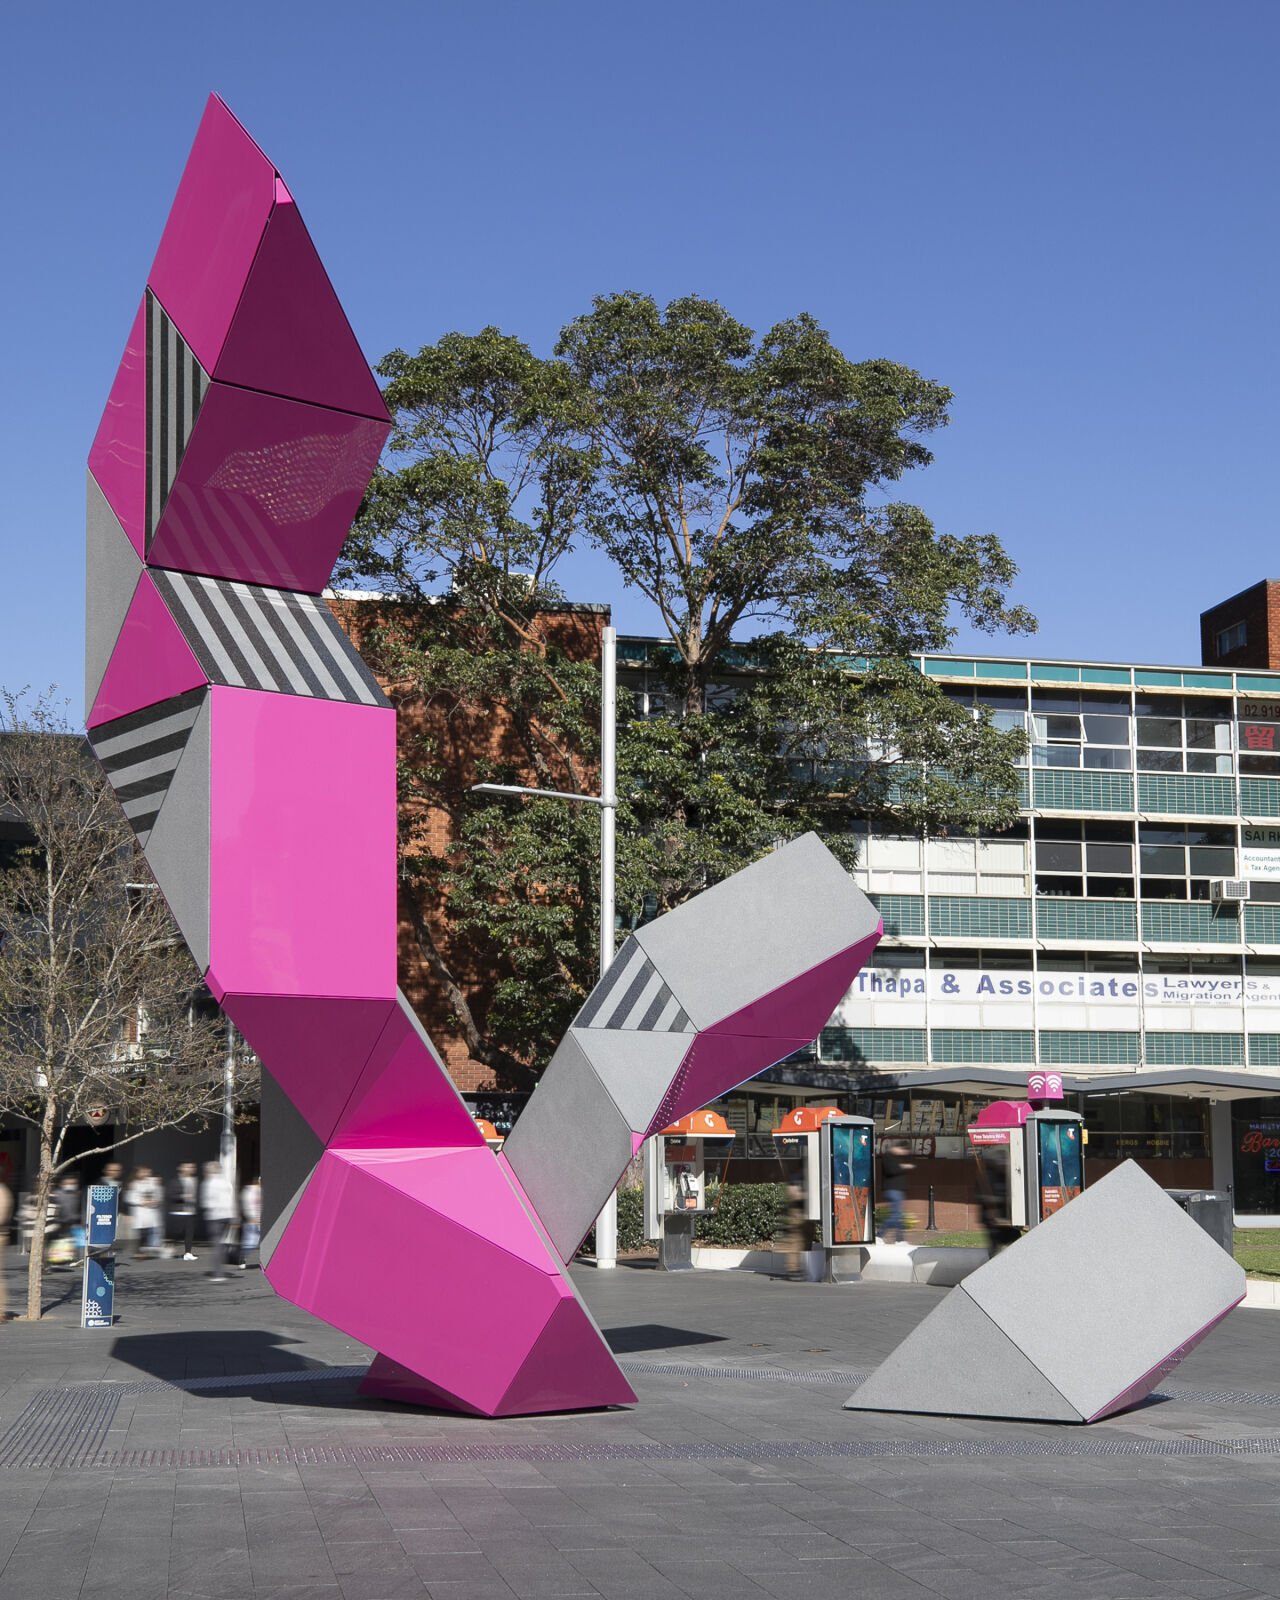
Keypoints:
pixel 1228 891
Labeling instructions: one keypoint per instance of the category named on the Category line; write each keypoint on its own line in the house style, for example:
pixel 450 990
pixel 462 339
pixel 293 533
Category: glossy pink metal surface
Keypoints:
pixel 302 839
pixel 404 1096
pixel 313 1045
pixel 718 1062
pixel 118 455
pixel 151 661
pixel 214 228
pixel 266 490
pixel 480 1311
pixel 290 335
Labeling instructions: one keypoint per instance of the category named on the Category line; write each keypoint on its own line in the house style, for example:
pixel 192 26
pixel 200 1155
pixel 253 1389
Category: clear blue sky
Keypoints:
pixel 1063 210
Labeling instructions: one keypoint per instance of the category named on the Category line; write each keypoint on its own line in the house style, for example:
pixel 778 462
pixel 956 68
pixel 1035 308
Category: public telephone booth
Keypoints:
pixel 847 1149
pixel 691 1150
pixel 1031 1160
pixel 798 1137
pixel 489 1133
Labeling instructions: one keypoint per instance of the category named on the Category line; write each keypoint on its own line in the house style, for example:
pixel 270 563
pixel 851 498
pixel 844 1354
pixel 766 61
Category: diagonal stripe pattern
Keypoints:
pixel 176 384
pixel 633 996
pixel 140 754
pixel 250 637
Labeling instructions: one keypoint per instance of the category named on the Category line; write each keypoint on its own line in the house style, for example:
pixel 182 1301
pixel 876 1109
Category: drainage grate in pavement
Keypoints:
pixel 704 1369
pixel 567 1451
pixel 60 1428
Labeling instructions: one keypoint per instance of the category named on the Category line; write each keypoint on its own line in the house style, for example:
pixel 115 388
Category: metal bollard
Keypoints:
pixel 931 1226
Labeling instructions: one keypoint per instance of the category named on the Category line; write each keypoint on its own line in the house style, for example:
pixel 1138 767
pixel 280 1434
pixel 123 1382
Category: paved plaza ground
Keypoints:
pixel 213 1445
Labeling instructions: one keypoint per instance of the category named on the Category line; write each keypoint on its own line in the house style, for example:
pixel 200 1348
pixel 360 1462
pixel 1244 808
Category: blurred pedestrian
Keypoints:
pixel 6 1215
pixel 183 1195
pixel 70 1213
pixel 797 1232
pixel 218 1208
pixel 250 1219
pixel 145 1198
pixel 893 1168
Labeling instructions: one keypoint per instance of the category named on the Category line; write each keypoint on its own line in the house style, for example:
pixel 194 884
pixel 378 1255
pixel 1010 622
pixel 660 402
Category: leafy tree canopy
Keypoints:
pixel 743 485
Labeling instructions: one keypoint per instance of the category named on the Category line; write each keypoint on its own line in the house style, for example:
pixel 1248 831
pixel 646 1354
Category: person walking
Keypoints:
pixel 145 1199
pixel 218 1208
pixel 184 1194
pixel 250 1220
pixel 6 1216
pixel 893 1167
pixel 69 1204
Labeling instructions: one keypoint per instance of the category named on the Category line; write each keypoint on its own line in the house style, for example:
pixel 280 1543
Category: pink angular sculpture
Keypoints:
pixel 254 755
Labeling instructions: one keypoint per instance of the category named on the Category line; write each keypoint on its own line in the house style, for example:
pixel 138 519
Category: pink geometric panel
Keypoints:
pixel 804 1004
pixel 214 228
pixel 457 1184
pixel 151 661
pixel 266 490
pixel 717 1063
pixel 302 823
pixel 476 1310
pixel 404 1096
pixel 290 335
pixel 118 457
pixel 569 1367
pixel 314 1046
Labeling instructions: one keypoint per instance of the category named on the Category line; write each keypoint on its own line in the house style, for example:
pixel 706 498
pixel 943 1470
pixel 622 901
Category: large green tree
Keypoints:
pixel 742 484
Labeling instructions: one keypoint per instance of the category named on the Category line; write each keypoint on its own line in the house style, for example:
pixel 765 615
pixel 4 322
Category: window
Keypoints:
pixel 1084 858
pixel 1176 860
pixel 1233 638
pixel 1177 735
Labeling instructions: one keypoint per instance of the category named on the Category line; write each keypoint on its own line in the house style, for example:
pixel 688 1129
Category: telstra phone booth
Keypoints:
pixel 797 1138
pixel 847 1163
pixel 1031 1161
pixel 678 1196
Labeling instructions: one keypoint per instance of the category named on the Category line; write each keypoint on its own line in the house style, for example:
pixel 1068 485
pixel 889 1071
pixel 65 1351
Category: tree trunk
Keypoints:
pixel 44 1187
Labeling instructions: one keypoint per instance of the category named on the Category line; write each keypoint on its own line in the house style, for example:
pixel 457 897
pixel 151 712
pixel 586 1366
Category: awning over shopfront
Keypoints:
pixel 1193 1083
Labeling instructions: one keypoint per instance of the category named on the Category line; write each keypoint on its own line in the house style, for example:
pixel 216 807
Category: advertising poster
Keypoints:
pixel 851 1157
pixel 1061 1166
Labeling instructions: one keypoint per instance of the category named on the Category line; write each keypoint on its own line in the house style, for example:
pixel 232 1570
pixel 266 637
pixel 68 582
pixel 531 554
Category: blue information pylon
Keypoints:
pixel 97 1301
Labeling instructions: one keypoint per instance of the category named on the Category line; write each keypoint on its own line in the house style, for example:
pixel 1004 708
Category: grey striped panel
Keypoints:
pixel 176 384
pixel 632 995
pixel 246 636
pixel 140 754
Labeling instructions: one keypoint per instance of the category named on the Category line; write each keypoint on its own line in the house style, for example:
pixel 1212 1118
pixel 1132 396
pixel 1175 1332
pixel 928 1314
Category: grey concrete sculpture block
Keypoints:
pixel 1100 1302
pixel 178 847
pixel 290 1154
pixel 112 573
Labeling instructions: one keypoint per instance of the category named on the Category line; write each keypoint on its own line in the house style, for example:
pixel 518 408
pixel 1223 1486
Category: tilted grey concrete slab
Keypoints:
pixel 291 1151
pixel 569 1146
pixel 112 572
pixel 1103 1299
pixel 957 1362
pixel 636 1069
pixel 178 847
pixel 783 915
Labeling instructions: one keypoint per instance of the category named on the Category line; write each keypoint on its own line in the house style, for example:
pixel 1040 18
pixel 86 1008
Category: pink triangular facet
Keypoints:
pixel 570 1368
pixel 404 1096
pixel 209 243
pixel 118 459
pixel 290 336
pixel 315 1048
pixel 151 661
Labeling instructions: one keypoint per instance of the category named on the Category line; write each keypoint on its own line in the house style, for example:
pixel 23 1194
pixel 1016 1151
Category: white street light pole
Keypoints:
pixel 607 800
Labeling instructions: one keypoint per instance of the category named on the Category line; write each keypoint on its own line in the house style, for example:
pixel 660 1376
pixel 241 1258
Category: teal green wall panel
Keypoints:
pixel 1058 917
pixel 1058 790
pixel 963 916
pixel 1195 1049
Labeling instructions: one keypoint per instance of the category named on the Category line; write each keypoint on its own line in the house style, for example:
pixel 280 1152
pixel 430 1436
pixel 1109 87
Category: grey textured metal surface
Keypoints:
pixel 569 1146
pixel 633 995
pixel 1108 1288
pixel 140 754
pixel 635 1068
pixel 290 1154
pixel 759 929
pixel 112 570
pixel 959 1363
pixel 247 636
pixel 178 847
pixel 176 386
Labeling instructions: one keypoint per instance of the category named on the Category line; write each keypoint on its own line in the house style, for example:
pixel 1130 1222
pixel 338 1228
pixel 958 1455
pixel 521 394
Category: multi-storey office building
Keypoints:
pixel 1126 931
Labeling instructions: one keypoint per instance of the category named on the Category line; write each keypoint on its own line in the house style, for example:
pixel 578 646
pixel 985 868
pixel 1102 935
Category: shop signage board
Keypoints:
pixel 887 987
pixel 1260 853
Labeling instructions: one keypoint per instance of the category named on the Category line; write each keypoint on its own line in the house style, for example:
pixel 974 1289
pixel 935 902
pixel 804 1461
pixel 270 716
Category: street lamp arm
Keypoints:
pixel 608 800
